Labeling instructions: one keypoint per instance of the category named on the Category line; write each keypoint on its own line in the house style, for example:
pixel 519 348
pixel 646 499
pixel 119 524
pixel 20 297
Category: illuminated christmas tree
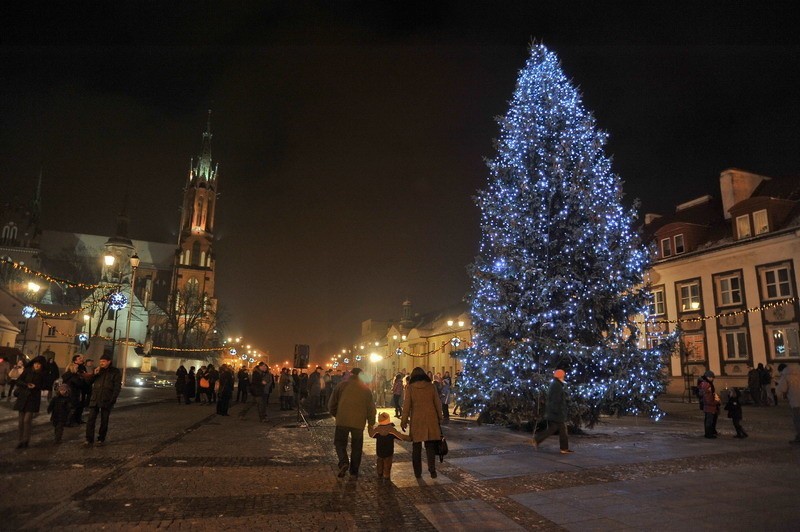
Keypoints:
pixel 556 283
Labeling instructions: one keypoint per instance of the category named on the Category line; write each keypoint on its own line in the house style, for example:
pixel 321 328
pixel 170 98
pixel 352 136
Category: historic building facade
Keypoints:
pixel 726 272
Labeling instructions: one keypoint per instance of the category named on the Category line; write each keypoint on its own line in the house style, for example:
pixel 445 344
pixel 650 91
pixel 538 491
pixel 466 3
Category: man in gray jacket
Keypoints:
pixel 353 407
pixel 555 414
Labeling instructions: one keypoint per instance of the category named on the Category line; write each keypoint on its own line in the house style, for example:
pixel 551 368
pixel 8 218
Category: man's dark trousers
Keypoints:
pixel 104 413
pixel 356 445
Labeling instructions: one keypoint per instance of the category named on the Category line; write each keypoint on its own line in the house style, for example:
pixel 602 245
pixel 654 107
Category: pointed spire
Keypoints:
pixel 122 219
pixel 203 171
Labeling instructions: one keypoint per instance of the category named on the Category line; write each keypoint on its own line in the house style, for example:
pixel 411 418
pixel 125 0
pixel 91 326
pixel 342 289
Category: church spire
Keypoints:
pixel 204 170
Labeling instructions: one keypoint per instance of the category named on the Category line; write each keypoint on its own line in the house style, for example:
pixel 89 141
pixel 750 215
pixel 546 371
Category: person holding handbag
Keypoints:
pixel 422 409
pixel 29 397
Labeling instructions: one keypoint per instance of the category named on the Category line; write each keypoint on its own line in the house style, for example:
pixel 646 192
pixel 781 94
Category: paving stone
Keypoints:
pixel 470 514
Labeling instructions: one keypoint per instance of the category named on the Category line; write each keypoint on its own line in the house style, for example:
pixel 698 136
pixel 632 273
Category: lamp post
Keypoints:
pixel 124 360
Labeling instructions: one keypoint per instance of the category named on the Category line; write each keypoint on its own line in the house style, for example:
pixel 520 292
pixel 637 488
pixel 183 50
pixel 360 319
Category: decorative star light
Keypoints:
pixel 83 337
pixel 28 312
pixel 117 301
pixel 398 351
pixel 232 351
pixel 455 341
pixel 358 358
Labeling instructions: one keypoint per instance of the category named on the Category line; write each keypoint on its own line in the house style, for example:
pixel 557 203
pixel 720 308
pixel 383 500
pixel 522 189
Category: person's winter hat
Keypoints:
pixel 355 371
pixel 63 389
pixel 709 374
pixel 384 419
pixel 40 359
pixel 105 356
pixel 559 374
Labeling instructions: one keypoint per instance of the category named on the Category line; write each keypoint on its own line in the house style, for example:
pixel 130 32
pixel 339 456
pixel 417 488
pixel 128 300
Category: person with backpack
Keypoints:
pixel 710 402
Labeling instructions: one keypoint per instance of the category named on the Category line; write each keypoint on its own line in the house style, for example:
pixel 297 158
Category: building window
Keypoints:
pixel 761 222
pixel 784 341
pixel 694 346
pixel 51 331
pixel 666 247
pixel 111 314
pixel 657 305
pixel 776 281
pixel 743 226
pixel 679 246
pixel 729 289
pixel 689 295
pixel 734 345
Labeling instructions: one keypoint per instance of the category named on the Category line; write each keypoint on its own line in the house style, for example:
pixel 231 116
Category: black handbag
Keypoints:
pixel 441 446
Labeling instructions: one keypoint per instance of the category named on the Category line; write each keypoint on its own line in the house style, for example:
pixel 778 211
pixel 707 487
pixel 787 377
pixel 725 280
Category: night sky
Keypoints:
pixel 350 136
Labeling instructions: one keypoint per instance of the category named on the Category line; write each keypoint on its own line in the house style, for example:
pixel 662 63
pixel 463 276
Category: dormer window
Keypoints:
pixel 761 222
pixel 679 245
pixel 666 247
pixel 743 226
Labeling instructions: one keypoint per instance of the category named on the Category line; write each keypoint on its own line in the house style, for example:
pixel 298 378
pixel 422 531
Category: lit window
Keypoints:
pixel 734 345
pixel 743 226
pixel 761 222
pixel 729 289
pixel 666 247
pixel 776 282
pixel 694 347
pixel 784 341
pixel 657 307
pixel 689 296
pixel 679 246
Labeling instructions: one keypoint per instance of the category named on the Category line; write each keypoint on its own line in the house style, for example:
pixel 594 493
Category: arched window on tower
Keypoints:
pixel 201 213
pixel 186 257
pixel 196 254
pixel 202 259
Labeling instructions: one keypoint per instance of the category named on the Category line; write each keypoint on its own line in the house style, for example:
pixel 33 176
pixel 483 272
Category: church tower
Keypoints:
pixel 194 258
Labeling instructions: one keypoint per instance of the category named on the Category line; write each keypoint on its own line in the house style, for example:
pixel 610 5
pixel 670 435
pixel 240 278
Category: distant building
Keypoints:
pixel 726 271
pixel 431 341
pixel 167 273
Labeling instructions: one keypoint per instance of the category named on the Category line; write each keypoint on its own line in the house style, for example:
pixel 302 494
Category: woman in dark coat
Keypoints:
pixel 225 389
pixel 29 397
pixel 180 382
pixel 424 408
pixel 190 388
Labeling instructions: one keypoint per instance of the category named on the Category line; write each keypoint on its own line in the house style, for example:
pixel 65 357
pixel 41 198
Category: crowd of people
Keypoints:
pixel 421 401
pixel 81 386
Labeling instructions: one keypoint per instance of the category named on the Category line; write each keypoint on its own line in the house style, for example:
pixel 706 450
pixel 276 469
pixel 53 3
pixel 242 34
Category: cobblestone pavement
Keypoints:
pixel 169 465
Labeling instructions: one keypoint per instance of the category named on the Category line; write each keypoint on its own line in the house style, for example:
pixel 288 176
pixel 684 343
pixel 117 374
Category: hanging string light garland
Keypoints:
pixel 760 308
pixel 49 278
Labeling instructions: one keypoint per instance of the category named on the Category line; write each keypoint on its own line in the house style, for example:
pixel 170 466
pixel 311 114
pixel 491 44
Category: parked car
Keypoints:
pixel 142 380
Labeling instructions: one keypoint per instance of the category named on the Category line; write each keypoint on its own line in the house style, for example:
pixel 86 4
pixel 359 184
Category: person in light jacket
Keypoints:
pixel 422 408
pixel 789 387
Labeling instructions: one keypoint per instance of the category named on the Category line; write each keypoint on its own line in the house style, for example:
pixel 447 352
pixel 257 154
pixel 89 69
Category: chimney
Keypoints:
pixel 736 185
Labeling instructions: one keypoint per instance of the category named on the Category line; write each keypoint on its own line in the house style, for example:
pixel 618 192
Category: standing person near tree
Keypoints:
pixel 555 414
pixel 353 407
pixel 423 408
pixel 29 397
pixel 286 389
pixel 754 385
pixel 213 376
pixel 202 386
pixel 711 402
pixel 106 385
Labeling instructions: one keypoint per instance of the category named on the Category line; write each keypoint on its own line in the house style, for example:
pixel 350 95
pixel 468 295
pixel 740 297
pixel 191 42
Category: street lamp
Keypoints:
pixel 124 361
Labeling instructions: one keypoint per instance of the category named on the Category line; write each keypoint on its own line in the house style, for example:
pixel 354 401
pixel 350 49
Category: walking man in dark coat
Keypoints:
pixel 106 385
pixel 353 407
pixel 244 383
pixel 260 388
pixel 555 414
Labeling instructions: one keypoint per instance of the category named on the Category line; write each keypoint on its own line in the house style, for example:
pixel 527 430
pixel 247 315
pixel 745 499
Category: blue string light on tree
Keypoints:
pixel 28 312
pixel 556 283
pixel 117 301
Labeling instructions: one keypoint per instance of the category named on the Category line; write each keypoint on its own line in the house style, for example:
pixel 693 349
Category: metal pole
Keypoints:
pixel 124 361
pixel 25 336
pixel 41 333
